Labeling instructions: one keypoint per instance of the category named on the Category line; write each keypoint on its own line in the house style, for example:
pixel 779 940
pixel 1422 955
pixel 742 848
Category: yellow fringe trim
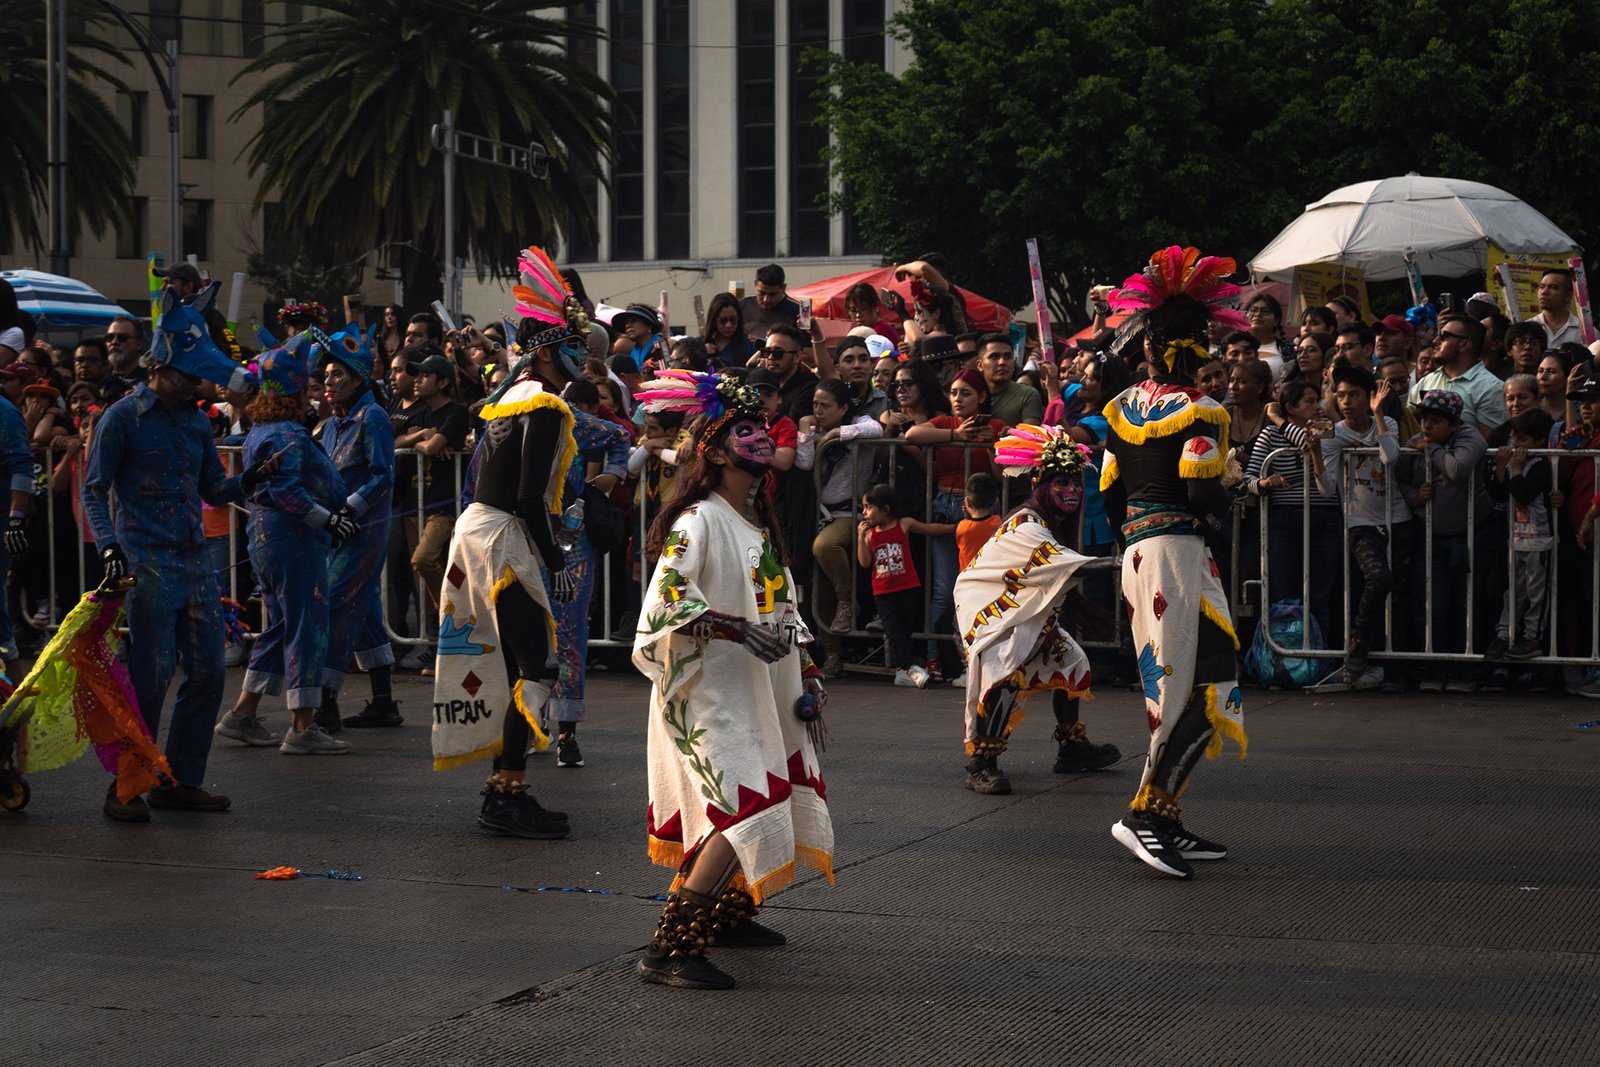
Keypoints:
pixel 1211 468
pixel 1209 610
pixel 666 854
pixel 569 444
pixel 1222 727
pixel 1022 697
pixel 541 740
pixel 450 763
pixel 1182 419
pixel 1140 799
pixel 1109 472
pixel 670 854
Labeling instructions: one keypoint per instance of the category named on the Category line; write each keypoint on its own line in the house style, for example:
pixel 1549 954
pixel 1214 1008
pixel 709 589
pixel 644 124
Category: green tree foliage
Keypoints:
pixel 100 169
pixel 1107 129
pixel 350 97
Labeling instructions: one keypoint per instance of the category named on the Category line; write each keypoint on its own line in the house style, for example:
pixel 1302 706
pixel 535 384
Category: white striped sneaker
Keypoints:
pixel 1190 845
pixel 1139 836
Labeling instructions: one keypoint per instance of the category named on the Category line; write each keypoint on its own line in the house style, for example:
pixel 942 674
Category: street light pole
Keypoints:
pixel 55 13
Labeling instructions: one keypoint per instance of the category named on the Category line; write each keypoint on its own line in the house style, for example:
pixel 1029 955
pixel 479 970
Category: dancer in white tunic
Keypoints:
pixel 736 795
pixel 1012 607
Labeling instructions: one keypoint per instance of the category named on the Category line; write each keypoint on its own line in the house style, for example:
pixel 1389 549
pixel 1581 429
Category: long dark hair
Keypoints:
pixel 718 302
pixel 698 482
pixel 935 400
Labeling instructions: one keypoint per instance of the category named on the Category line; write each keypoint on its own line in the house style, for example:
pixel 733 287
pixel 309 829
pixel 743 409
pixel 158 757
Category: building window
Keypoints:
pixel 253 16
pixel 625 30
pixel 580 236
pixel 164 20
pixel 672 129
pixel 196 229
pixel 864 42
pixel 132 230
pixel 196 119
pixel 130 109
pixel 756 144
pixel 808 174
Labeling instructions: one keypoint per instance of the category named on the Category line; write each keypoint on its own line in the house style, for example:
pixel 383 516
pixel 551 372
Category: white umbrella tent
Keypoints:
pixel 1447 223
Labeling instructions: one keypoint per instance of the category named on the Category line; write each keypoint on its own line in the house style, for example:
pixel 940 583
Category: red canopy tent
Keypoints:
pixel 827 296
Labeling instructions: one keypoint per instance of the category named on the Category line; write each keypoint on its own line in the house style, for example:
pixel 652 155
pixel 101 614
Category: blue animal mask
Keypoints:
pixel 347 346
pixel 183 342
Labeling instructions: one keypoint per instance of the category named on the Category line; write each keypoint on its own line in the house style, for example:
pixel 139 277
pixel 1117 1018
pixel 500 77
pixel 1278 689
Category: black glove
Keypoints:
pixel 17 535
pixel 116 566
pixel 342 525
pixel 260 471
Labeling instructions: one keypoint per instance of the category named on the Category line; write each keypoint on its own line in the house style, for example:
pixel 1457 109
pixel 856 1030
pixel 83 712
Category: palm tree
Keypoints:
pixel 348 103
pixel 100 177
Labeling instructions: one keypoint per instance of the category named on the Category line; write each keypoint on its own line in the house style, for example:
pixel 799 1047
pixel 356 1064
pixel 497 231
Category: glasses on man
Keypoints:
pixel 778 352
pixel 1453 336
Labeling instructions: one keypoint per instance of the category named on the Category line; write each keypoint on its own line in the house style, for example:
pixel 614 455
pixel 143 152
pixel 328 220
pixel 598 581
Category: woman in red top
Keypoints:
pixel 967 436
pixel 882 545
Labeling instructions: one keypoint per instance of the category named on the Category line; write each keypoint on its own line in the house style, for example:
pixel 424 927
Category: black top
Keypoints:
pixel 514 472
pixel 439 472
pixel 758 320
pixel 795 394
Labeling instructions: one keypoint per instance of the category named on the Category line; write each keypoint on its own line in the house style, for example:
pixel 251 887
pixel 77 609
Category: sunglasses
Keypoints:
pixel 779 351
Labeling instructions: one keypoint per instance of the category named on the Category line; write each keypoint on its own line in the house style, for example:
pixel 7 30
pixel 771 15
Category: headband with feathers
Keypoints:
pixel 716 398
pixel 1042 450
pixel 545 297
pixel 1177 271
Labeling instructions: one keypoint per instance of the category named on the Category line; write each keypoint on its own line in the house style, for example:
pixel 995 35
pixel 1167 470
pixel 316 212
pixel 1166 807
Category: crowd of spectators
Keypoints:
pixel 1419 443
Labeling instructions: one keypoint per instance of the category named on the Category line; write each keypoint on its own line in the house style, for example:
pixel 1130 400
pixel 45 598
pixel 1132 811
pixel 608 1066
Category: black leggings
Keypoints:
pixel 524 629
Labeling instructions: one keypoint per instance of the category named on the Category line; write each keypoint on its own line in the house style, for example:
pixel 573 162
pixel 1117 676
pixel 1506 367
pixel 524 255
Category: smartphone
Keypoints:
pixel 1447 301
pixel 355 308
pixel 804 319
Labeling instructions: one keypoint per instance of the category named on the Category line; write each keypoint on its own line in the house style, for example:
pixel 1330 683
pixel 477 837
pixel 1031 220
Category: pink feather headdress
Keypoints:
pixel 1040 449
pixel 717 398
pixel 545 297
pixel 1179 271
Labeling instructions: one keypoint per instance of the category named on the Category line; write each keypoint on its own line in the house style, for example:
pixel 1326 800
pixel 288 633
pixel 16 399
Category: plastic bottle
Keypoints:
pixel 571 526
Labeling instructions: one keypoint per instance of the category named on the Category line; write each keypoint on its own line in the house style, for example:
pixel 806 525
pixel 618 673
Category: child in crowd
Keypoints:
pixel 1377 517
pixel 882 545
pixel 1526 481
pixel 657 458
pixel 1438 477
pixel 972 532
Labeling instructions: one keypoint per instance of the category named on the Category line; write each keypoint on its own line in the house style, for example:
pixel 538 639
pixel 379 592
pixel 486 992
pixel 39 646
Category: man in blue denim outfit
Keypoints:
pixel 153 450
pixel 16 464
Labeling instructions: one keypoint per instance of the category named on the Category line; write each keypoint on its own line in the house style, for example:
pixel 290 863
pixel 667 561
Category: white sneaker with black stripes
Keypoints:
pixel 1151 844
pixel 1190 845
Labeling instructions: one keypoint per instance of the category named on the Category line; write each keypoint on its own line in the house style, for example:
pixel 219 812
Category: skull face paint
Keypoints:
pixel 749 446
pixel 574 352
pixel 1064 493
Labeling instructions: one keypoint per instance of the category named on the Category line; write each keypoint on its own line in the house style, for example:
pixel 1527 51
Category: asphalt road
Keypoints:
pixel 1412 880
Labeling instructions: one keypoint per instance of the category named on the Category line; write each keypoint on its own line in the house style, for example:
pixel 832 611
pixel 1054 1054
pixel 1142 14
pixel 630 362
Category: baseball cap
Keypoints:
pixel 1393 324
pixel 1440 402
pixel 1588 390
pixel 1482 305
pixel 761 378
pixel 434 364
pixel 183 272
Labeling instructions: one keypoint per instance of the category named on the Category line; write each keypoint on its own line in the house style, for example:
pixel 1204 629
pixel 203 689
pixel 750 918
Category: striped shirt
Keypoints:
pixel 1293 467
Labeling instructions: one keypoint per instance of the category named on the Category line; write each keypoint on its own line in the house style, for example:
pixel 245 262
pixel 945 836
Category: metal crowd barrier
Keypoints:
pixel 1427 653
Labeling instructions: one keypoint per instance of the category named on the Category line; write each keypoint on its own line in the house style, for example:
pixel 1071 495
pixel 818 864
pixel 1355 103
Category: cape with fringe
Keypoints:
pixel 726 750
pixel 1008 609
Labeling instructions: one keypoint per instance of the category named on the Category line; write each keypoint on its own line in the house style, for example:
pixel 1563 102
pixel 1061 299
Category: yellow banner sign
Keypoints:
pixel 1318 283
pixel 1521 271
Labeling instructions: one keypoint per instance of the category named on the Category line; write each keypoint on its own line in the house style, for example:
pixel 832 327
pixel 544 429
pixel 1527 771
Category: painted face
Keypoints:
pixel 749 446
pixel 339 385
pixel 574 352
pixel 1064 493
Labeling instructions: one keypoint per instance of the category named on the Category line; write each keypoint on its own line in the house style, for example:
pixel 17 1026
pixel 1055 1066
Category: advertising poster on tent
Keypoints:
pixel 1318 283
pixel 1523 269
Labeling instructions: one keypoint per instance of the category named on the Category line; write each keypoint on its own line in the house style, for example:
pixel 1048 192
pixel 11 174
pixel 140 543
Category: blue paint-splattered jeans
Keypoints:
pixel 291 563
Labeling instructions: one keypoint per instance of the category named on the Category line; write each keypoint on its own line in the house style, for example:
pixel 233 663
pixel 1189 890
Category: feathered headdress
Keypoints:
pixel 545 297
pixel 307 310
pixel 1042 450
pixel 717 398
pixel 1173 272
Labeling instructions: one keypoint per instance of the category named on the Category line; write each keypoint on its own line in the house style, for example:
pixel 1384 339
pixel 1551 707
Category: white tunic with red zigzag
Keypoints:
pixel 726 749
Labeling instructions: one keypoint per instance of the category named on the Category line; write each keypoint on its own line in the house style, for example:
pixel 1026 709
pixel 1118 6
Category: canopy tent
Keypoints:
pixel 1448 223
pixel 56 301
pixel 827 296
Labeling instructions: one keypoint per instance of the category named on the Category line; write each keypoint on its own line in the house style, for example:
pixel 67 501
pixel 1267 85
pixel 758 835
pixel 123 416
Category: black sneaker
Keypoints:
pixel 567 754
pixel 187 798
pixel 1076 756
pixel 384 712
pixel 983 776
pixel 1497 649
pixel 1356 659
pixel 683 971
pixel 514 815
pixel 328 718
pixel 135 810
pixel 1139 836
pixel 1191 845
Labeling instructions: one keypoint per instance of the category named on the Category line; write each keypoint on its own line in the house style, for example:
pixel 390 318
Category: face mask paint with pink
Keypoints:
pixel 749 446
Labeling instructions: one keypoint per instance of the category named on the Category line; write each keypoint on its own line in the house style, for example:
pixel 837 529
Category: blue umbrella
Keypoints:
pixel 57 301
